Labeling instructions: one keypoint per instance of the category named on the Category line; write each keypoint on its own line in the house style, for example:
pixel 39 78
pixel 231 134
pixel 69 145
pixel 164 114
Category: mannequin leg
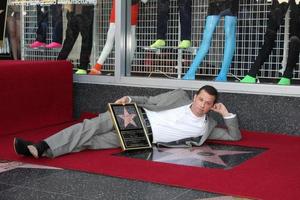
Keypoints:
pixel 162 23
pixel 85 22
pixel 210 25
pixel 162 18
pixel 229 26
pixel 57 23
pixel 293 58
pixel 133 42
pixel 13 26
pixel 294 44
pixel 134 22
pixel 56 12
pixel 109 44
pixel 185 9
pixel 10 22
pixel 18 36
pixel 42 22
pixel 72 33
pixel 275 19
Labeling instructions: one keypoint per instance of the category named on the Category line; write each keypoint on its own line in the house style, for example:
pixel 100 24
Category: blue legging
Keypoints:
pixel 210 25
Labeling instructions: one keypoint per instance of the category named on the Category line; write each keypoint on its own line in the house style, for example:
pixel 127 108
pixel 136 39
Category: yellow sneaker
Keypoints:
pixel 184 44
pixel 284 81
pixel 81 72
pixel 158 44
pixel 248 79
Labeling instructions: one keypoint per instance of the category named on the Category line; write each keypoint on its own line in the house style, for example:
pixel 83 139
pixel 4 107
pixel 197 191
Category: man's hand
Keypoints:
pixel 221 109
pixel 123 100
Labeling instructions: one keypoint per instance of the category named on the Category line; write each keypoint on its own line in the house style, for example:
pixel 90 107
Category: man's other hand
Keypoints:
pixel 221 109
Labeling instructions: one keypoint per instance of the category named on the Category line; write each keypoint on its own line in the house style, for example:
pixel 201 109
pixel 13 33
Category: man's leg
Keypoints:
pixel 210 25
pixel 96 133
pixel 229 26
pixel 85 135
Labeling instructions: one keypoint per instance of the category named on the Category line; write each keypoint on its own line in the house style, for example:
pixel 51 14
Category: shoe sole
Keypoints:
pixel 36 47
pixel 33 151
pixel 95 72
pixel 53 47
pixel 15 147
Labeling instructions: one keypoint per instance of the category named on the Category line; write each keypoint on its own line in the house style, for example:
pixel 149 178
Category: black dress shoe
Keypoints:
pixel 38 149
pixel 20 147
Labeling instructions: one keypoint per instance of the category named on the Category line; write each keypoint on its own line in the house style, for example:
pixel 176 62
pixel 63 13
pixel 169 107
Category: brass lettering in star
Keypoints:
pixel 128 118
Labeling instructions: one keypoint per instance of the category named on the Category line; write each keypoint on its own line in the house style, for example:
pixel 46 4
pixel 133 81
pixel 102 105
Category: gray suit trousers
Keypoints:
pixel 96 133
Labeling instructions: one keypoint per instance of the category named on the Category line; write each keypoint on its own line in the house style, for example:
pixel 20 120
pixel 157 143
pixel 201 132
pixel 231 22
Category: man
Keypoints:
pixel 175 121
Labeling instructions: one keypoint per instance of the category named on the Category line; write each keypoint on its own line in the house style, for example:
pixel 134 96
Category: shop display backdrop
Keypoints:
pixel 181 39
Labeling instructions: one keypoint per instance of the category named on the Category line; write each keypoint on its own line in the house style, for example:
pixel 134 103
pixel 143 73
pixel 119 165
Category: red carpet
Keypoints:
pixel 273 174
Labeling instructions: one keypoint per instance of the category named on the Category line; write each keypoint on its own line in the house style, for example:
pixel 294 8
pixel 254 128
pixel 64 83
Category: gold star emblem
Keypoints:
pixel 128 118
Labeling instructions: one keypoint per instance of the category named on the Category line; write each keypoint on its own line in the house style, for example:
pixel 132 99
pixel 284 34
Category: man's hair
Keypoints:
pixel 210 90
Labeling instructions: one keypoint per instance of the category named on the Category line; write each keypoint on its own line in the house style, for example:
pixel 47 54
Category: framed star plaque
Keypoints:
pixel 129 125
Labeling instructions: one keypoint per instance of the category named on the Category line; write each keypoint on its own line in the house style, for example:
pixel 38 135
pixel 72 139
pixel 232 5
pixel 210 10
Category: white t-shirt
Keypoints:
pixel 176 124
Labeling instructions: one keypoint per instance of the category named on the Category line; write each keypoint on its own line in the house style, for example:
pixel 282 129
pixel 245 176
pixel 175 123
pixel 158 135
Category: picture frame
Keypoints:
pixel 129 126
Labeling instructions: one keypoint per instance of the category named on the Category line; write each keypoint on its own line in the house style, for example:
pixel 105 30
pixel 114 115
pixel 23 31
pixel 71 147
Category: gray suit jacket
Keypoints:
pixel 179 97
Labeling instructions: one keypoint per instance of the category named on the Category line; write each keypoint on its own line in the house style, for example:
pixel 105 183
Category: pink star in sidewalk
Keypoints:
pixel 128 118
pixel 203 153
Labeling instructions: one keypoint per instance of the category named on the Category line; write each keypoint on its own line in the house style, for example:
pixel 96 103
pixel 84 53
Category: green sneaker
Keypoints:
pixel 184 44
pixel 248 79
pixel 158 44
pixel 284 81
pixel 81 72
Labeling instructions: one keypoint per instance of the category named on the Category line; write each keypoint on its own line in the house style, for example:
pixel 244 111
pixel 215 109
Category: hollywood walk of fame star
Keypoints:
pixel 128 118
pixel 203 153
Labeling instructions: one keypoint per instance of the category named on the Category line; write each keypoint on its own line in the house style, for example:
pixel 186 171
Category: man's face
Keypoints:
pixel 202 103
